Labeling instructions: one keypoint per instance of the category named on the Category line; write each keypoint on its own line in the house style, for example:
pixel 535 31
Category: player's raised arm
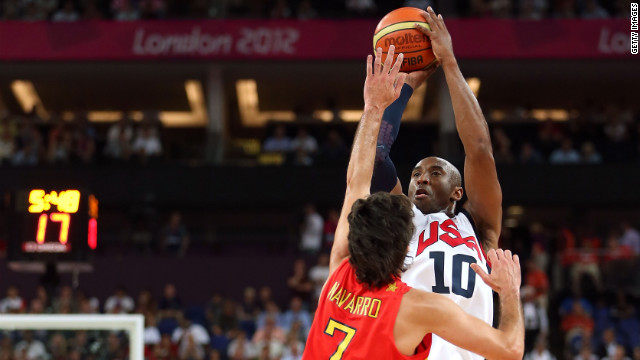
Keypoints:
pixel 382 86
pixel 440 315
pixel 480 176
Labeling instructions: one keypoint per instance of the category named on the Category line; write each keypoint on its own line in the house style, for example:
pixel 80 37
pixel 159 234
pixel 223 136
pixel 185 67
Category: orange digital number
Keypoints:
pixel 63 219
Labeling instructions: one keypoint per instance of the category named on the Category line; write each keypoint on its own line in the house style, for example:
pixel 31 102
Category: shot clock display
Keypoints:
pixel 48 225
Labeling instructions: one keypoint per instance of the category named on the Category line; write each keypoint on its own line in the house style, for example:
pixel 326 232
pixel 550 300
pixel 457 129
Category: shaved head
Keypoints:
pixel 436 185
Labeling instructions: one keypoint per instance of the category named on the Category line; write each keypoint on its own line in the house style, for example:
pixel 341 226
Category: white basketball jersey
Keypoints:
pixel 438 261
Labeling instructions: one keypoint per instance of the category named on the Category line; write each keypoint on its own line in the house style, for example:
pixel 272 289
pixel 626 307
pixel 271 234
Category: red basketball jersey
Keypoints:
pixel 353 322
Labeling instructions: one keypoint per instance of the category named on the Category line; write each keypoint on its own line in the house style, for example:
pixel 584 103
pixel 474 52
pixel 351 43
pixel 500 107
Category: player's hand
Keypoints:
pixel 439 35
pixel 505 272
pixel 384 82
pixel 416 78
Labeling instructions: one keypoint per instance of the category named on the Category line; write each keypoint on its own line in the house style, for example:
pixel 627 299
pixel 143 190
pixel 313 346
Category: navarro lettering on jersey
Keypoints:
pixel 358 305
pixel 450 236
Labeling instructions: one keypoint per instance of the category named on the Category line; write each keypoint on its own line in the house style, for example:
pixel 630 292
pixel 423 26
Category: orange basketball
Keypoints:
pixel 397 28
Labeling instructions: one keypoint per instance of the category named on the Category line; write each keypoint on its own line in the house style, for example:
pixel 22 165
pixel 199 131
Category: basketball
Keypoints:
pixel 397 28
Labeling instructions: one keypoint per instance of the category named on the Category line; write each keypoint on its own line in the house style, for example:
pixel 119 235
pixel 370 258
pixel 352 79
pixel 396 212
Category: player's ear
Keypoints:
pixel 457 193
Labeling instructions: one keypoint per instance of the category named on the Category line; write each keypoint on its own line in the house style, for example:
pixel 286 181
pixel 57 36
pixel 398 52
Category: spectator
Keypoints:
pixel 119 139
pixel 174 236
pixel 265 296
pixel 58 347
pixel 619 354
pixel 593 10
pixel 589 154
pixel 166 350
pixel 609 343
pixel 293 349
pixel 565 154
pixel 278 142
pixel 147 145
pixel 529 155
pixel 299 283
pixel 630 238
pixel 533 9
pixel 32 348
pixel 502 147
pixel 296 313
pixel 151 333
pixel 241 348
pixel 304 143
pixel 306 10
pixel 586 354
pixel 124 10
pixel 229 316
pixel 219 341
pixel 214 309
pixel 334 149
pixel 60 145
pixel 187 333
pixel 190 349
pixel 311 230
pixel 249 309
pixel 319 275
pixel 280 10
pixel 13 303
pixel 577 324
pixel 170 303
pixel 361 8
pixel 119 303
pixel 26 155
pixel 540 351
pixel 536 322
pixel 66 13
pixel 84 137
pixel 146 304
pixel 34 12
pixel 271 311
pixel 330 226
pixel 538 281
pixel 269 333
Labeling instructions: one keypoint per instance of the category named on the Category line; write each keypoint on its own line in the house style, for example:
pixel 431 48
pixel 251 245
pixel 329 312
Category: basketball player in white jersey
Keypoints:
pixel 447 241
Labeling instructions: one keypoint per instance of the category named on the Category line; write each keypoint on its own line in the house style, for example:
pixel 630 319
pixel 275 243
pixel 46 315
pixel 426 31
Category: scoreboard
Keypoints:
pixel 51 225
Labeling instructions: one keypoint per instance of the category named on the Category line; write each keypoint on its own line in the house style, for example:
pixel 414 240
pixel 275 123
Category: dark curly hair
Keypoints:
pixel 380 229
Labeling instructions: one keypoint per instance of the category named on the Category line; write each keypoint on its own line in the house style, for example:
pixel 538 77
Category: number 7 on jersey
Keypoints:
pixel 332 326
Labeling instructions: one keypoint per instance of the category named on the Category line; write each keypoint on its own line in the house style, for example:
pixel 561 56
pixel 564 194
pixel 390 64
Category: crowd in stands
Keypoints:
pixel 30 141
pixel 127 10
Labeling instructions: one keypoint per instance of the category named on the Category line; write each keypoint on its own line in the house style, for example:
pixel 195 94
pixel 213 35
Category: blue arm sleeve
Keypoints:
pixel 384 173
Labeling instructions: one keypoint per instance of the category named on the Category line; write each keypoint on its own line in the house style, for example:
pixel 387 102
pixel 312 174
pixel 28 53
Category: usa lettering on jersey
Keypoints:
pixel 451 236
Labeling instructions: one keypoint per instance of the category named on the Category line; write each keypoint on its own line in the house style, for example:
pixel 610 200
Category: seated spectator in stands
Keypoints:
pixel 319 275
pixel 147 144
pixel 609 343
pixel 593 10
pixel 64 301
pixel 296 313
pixel 529 155
pixel 299 283
pixel 219 341
pixel 278 142
pixel 311 230
pixel 166 350
pixel 271 311
pixel 628 325
pixel 270 335
pixel 186 326
pixel 630 238
pixel 91 11
pixel 60 144
pixel 26 155
pixel 146 304
pixel 7 147
pixel 84 139
pixel 86 304
pixel 66 13
pixel 151 334
pixel 540 351
pixel 13 303
pixel 619 354
pixel 170 304
pixel 577 324
pixel 565 154
pixel 58 347
pixel 589 154
pixel 214 308
pixel 174 237
pixel 636 353
pixel 119 137
pixel 190 349
pixel 114 348
pixel 536 322
pixel 533 9
pixel 502 147
pixel 249 309
pixel 119 303
pixel 280 10
pixel 124 10
pixel 265 296
pixel 586 354
pixel 32 348
pixel 241 348
pixel 229 316
pixel 304 143
pixel 330 226
pixel 538 281
pixel 306 10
